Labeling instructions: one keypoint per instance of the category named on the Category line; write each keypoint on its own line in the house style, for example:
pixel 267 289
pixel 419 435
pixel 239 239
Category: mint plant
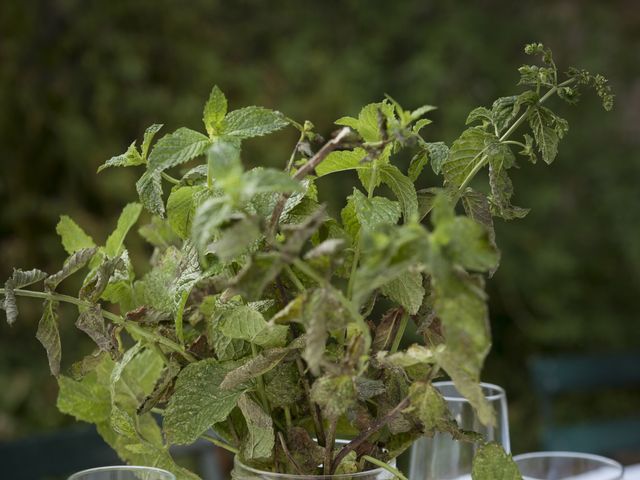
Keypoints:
pixel 270 327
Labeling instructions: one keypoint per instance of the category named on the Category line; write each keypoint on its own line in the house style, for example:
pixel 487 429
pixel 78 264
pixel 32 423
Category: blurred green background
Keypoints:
pixel 80 79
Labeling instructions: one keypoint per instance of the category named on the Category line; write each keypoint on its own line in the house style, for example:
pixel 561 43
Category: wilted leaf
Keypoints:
pixel 19 279
pixel 48 335
pixel 254 367
pixel 334 394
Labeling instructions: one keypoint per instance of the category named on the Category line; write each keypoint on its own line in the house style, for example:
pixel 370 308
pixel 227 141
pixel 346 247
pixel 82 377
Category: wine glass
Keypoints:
pixel 567 466
pixel 123 472
pixel 442 457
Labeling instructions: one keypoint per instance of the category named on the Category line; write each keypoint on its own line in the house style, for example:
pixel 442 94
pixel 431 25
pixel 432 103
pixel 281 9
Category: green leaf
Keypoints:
pixel 467 243
pixel 260 439
pixel 341 160
pixel 367 123
pixel 491 462
pixel 387 254
pixel 181 208
pixel 407 290
pixel 128 218
pixel 159 233
pixel 546 136
pixel 438 154
pixel 89 398
pixel 257 274
pixel 235 240
pixel 465 154
pixel 149 188
pixel 335 394
pixel 72 236
pixel 208 218
pixel 244 323
pixel 149 451
pixel 176 148
pixel 48 335
pixel 130 158
pixel 479 114
pixel 375 211
pixel 214 111
pixel 252 122
pixel 199 401
pixel 430 408
pixel 403 189
pixel 256 366
pixel 71 265
pixel 223 158
pixel 19 279
pixel 149 134
pixel 418 162
pixel 503 111
pixel 268 180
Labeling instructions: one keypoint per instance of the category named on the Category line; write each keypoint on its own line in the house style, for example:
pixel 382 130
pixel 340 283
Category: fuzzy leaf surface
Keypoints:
pixel 252 122
pixel 199 401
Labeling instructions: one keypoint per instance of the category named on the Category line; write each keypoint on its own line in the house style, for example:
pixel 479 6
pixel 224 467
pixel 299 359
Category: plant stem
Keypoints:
pixel 260 385
pixel 170 179
pixel 293 154
pixel 294 278
pixel 307 168
pixel 313 407
pixel 288 454
pixel 328 448
pixel 219 443
pixel 386 466
pixel 287 416
pixel 131 327
pixel 365 434
pixel 478 166
pixel 404 320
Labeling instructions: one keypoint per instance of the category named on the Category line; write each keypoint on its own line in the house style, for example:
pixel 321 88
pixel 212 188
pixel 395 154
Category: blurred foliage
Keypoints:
pixel 79 80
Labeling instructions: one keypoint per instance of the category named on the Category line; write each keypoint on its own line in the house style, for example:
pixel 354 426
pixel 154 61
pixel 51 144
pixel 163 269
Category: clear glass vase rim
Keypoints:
pixel 265 473
pixel 125 468
pixel 569 455
pixel 497 395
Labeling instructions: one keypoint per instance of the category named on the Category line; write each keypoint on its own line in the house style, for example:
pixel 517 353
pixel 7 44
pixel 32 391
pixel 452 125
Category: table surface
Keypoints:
pixel 632 472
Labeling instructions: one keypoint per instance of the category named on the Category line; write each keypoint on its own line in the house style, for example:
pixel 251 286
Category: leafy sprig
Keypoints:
pixel 261 325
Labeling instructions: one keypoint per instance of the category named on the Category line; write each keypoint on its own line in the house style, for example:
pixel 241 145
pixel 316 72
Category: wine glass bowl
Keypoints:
pixel 567 466
pixel 123 472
